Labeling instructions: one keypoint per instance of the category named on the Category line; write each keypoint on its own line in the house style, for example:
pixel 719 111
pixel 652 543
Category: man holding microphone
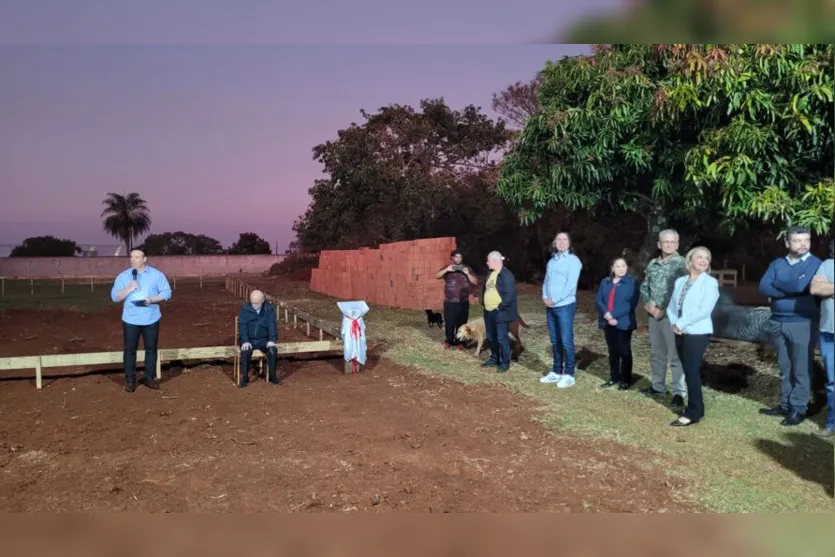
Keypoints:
pixel 141 288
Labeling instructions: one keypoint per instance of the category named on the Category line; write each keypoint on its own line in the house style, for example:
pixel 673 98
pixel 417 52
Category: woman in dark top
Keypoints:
pixel 616 301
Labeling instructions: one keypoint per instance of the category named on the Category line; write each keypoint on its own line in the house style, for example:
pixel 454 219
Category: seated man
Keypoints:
pixel 257 330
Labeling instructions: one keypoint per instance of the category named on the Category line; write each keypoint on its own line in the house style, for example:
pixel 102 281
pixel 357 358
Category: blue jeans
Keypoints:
pixel 497 334
pixel 827 343
pixel 561 330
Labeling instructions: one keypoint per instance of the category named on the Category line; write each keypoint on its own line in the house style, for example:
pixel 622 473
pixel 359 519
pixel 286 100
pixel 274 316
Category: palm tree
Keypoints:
pixel 125 217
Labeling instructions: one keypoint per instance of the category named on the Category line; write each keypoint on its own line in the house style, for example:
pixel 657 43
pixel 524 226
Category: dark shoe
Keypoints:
pixel 152 384
pixel 678 401
pixel 243 384
pixel 130 387
pixel 651 392
pixel 794 418
pixel 275 381
pixel 824 433
pixel 447 346
pixel 490 363
pixel 609 383
pixel 776 411
pixel 623 386
pixel 502 369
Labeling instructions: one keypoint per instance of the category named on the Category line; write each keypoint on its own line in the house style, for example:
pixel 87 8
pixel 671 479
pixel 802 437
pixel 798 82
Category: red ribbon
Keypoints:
pixel 356 331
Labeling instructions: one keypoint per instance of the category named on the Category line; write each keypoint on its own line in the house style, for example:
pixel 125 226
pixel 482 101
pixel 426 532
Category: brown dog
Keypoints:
pixel 476 331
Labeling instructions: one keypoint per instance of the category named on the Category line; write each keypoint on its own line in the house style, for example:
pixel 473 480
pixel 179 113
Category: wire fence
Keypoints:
pixel 50 286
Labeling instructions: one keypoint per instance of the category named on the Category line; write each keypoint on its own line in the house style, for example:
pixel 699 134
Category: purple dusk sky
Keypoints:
pixel 217 137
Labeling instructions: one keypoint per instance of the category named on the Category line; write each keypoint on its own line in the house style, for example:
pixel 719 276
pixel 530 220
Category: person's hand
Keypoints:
pixel 659 313
pixel 549 302
pixel 819 278
pixel 613 322
pixel 271 344
pixel 607 316
pixel 467 271
pixel 146 302
pixel 650 307
pixel 246 346
pixel 450 269
pixel 132 285
pixel 677 331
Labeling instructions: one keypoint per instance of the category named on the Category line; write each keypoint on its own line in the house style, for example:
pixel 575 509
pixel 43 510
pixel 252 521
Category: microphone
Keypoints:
pixel 133 272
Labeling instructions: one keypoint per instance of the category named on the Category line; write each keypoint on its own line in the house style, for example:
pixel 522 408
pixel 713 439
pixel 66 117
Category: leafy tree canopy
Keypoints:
pixel 392 177
pixel 181 243
pixel 250 243
pixel 45 246
pixel 729 132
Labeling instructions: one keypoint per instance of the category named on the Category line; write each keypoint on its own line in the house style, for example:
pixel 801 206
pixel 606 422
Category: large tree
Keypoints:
pixel 125 217
pixel 45 246
pixel 181 243
pixel 713 135
pixel 518 102
pixel 391 177
pixel 250 243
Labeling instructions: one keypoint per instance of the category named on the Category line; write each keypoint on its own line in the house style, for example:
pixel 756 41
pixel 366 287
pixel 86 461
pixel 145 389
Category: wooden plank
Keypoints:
pixel 197 353
pixel 19 362
pixel 87 359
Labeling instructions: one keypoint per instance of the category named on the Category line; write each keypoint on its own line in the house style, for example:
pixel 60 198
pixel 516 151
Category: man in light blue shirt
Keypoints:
pixel 559 293
pixel 141 288
pixel 822 286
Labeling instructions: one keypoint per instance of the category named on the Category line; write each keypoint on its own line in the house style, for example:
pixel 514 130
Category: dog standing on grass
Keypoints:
pixel 434 318
pixel 476 331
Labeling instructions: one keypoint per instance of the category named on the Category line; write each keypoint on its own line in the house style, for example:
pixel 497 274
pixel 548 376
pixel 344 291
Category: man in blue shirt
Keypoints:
pixel 823 286
pixel 141 288
pixel 793 323
pixel 559 293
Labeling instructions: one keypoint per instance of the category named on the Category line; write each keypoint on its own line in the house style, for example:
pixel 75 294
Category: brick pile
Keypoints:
pixel 400 275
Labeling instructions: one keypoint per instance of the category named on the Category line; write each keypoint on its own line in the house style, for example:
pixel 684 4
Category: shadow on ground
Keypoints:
pixel 805 455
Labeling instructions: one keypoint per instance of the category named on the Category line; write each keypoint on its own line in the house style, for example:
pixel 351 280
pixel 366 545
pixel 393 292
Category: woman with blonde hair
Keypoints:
pixel 689 312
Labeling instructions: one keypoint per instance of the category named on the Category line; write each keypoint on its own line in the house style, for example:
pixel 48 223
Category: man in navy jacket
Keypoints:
pixel 257 330
pixel 793 323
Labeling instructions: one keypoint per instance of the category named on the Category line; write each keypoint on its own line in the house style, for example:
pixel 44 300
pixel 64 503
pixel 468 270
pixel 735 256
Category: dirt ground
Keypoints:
pixel 387 439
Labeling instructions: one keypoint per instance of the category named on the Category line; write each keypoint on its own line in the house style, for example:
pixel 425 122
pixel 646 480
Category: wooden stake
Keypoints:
pixel 321 335
pixel 62 285
pixel 201 282
pixel 307 323
pixel 159 365
pixel 286 316
pixel 295 321
pixel 31 286
pixel 175 282
pixel 39 374
pixel 3 286
pixel 91 284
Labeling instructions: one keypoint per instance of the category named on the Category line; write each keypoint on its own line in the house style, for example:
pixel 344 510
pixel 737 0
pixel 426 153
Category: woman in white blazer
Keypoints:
pixel 694 297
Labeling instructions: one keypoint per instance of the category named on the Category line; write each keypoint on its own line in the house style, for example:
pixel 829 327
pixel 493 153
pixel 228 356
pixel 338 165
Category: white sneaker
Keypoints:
pixel 565 382
pixel 551 378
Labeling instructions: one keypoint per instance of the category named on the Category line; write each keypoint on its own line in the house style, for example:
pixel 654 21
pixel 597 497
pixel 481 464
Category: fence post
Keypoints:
pixel 62 285
pixel 31 286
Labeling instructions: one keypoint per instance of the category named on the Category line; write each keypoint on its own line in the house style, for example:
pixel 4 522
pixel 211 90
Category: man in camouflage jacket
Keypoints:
pixel 656 290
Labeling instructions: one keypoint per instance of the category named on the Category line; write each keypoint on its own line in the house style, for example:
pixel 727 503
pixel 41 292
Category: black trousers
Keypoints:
pixel 455 315
pixel 150 339
pixel 619 343
pixel 246 358
pixel 691 352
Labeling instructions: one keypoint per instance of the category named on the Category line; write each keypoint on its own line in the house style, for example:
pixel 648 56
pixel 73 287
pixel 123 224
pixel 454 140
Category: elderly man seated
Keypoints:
pixel 258 331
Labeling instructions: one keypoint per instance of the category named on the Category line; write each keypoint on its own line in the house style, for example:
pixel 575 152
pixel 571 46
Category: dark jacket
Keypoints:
pixel 627 296
pixel 257 328
pixel 506 287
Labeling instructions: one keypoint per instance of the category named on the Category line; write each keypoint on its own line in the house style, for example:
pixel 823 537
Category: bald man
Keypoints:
pixel 257 330
pixel 500 309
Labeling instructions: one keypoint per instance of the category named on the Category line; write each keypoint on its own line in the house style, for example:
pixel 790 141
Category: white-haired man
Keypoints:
pixel 656 290
pixel 500 309
pixel 257 330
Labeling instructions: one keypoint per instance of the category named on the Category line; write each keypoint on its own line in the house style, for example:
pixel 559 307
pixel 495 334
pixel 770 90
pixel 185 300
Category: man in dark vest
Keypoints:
pixel 257 330
pixel 500 309
pixel 457 280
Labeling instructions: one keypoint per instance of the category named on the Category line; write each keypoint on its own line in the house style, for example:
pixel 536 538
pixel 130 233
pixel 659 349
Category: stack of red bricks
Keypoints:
pixel 399 275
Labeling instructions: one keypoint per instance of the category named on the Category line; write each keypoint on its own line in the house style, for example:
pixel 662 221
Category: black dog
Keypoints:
pixel 434 318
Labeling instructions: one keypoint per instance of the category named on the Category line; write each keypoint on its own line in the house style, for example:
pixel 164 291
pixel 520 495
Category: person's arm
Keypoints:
pixel 644 291
pixel 272 329
pixel 442 272
pixel 799 281
pixel 820 284
pixel 671 314
pixel 121 288
pixel 164 290
pixel 600 299
pixel 545 283
pixel 704 309
pixel 509 297
pixel 574 268
pixel 767 287
pixel 243 328
pixel 471 277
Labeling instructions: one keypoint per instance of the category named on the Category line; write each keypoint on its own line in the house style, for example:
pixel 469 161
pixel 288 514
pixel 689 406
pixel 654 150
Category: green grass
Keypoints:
pixel 734 461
